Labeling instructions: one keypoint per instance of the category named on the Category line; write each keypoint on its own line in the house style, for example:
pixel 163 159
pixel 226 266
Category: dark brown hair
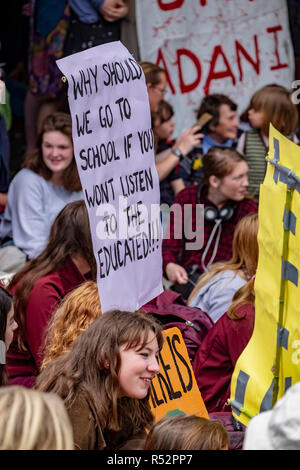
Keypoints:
pixel 70 234
pixel 211 104
pixel 186 432
pixel 220 162
pixel 60 122
pixel 92 366
pixel 164 112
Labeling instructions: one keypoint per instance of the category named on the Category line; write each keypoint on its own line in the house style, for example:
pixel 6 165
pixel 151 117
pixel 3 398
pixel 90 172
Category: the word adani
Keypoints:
pixel 218 54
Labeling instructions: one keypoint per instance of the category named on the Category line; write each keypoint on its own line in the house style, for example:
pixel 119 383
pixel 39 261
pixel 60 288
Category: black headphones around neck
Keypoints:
pixel 212 213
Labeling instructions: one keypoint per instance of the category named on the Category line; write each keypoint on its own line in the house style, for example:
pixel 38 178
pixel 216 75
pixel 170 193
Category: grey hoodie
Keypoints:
pixel 216 295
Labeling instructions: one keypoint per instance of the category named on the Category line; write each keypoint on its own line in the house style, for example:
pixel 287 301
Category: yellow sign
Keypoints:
pixel 174 389
pixel 270 362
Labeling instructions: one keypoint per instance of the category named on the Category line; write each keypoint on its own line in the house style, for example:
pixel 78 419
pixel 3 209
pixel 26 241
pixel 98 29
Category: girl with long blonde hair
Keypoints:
pixel 214 290
pixel 32 420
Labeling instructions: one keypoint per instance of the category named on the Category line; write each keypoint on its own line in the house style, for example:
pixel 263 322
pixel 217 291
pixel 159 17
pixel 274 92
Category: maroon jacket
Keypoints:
pixel 216 358
pixel 173 249
pixel 47 293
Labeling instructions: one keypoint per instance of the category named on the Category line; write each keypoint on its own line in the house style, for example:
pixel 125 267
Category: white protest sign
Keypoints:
pixel 113 145
pixel 207 46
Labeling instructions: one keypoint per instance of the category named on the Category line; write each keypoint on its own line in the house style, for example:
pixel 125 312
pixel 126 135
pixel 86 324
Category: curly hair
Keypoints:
pixel 73 316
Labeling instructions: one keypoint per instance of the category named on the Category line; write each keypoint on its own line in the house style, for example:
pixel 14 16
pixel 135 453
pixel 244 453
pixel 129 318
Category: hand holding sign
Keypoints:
pixel 113 143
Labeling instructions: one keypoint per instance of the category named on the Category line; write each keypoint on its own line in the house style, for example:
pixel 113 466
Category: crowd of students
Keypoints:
pixel 74 377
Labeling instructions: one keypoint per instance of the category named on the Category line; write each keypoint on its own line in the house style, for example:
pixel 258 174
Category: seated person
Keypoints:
pixel 7 327
pixel 105 378
pixel 66 262
pixel 163 127
pixel 214 290
pixel 48 181
pixel 225 181
pixel 221 130
pixel 215 360
pixel 168 159
pixel 271 103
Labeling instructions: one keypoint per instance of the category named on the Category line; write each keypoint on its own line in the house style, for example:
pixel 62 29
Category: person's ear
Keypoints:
pixel 212 128
pixel 214 182
pixel 106 364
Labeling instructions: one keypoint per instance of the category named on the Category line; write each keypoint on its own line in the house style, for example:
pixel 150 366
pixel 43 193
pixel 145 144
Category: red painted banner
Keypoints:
pixel 229 46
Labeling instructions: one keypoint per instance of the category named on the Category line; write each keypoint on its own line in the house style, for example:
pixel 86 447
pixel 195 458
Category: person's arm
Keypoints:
pixel 43 301
pixel 173 246
pixel 165 167
pixel 177 185
pixel 30 223
pixel 176 273
pixel 185 142
pixel 161 156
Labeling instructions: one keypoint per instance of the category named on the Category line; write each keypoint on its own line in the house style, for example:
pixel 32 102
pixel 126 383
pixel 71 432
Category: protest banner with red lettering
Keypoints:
pixel 207 46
